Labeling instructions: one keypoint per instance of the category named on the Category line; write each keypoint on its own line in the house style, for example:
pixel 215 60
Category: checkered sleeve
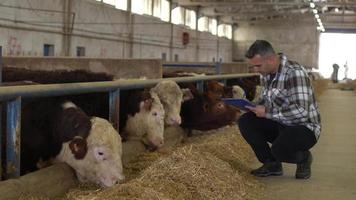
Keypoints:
pixel 294 101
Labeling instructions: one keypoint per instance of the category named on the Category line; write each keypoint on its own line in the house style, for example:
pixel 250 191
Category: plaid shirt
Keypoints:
pixel 289 98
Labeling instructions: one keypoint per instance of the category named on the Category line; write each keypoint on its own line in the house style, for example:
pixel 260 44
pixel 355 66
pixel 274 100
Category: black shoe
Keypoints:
pixel 304 168
pixel 268 169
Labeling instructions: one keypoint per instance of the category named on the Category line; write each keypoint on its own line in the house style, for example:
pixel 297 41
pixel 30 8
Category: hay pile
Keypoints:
pixel 210 166
pixel 320 85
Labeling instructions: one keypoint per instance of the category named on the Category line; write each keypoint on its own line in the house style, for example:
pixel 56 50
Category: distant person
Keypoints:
pixel 335 73
pixel 346 70
pixel 286 116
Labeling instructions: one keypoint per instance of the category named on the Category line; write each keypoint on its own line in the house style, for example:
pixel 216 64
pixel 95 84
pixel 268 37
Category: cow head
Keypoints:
pixel 238 92
pixel 97 158
pixel 206 111
pixel 148 123
pixel 171 97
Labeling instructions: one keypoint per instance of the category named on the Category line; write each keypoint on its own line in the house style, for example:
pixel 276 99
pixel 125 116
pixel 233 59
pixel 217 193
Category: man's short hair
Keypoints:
pixel 259 47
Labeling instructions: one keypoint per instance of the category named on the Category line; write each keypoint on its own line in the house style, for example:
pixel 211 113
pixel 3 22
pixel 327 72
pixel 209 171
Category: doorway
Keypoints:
pixel 337 48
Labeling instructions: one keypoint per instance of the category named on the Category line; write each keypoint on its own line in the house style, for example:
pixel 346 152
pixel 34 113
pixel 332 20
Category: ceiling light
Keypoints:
pixel 315 11
pixel 316 16
pixel 312 5
pixel 337 10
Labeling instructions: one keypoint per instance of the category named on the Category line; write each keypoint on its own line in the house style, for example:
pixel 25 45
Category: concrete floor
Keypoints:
pixel 334 166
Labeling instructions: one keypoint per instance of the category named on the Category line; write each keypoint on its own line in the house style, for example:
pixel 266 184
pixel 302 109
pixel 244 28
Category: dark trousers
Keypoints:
pixel 288 143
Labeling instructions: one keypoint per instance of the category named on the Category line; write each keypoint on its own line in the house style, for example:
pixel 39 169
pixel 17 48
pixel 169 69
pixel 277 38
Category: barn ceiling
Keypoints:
pixel 235 11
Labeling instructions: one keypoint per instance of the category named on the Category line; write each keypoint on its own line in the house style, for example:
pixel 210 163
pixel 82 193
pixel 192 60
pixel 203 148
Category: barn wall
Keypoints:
pixel 298 39
pixel 120 68
pixel 104 31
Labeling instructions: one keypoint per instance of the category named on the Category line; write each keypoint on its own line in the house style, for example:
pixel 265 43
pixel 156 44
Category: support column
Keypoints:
pixel 171 31
pixel 217 41
pixel 197 35
pixel 234 43
pixel 130 22
pixel 67 27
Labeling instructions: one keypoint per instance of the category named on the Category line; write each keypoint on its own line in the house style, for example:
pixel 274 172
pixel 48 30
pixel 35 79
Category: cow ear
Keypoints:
pixel 146 105
pixel 79 147
pixel 205 107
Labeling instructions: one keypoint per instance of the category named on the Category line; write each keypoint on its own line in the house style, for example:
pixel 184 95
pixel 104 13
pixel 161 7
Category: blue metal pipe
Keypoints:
pixel 218 67
pixel 0 112
pixel 114 108
pixel 200 86
pixel 11 92
pixel 13 129
pixel 187 65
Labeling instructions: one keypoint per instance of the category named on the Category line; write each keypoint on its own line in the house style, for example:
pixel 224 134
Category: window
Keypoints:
pixel 121 4
pixel 190 18
pixel 141 7
pixel 48 50
pixel 164 56
pixel 161 9
pixel 178 15
pixel 0 50
pixel 157 8
pixel 176 58
pixel 80 51
pixel 165 10
pixel 111 2
pixel 225 30
pixel 213 26
pixel 203 24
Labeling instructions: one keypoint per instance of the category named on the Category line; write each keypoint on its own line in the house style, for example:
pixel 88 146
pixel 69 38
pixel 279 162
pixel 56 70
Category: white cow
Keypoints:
pixel 238 92
pixel 171 97
pixel 147 124
pixel 102 163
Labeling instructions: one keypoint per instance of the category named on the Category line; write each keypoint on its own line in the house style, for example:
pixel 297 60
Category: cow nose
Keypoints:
pixel 176 120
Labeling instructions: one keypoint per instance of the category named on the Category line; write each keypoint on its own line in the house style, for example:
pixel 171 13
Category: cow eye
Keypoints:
pixel 154 113
pixel 100 153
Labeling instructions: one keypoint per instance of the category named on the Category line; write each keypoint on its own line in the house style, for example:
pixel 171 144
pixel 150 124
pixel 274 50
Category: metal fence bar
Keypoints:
pixel 114 108
pixel 13 123
pixel 200 86
pixel 188 65
pixel 218 67
pixel 11 92
pixel 0 114
pixel 223 81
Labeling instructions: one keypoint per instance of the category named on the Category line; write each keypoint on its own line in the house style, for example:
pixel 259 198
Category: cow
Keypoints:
pixel 248 84
pixel 219 90
pixel 206 112
pixel 142 118
pixel 58 131
pixel 171 97
pixel 140 111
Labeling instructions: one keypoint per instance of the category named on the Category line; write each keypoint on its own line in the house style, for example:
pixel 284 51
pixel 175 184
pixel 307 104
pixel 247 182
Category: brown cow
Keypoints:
pixel 206 112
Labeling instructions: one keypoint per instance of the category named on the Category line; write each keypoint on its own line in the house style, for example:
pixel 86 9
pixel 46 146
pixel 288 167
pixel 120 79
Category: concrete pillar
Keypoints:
pixel 171 31
pixel 67 27
pixel 130 22
pixel 197 35
pixel 234 43
pixel 217 40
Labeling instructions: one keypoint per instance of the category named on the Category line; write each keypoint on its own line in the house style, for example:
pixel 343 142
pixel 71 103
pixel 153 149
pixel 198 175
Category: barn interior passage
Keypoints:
pixel 333 170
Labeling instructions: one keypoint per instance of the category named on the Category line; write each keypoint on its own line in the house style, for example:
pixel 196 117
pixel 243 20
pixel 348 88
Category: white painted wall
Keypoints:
pixel 102 30
pixel 298 39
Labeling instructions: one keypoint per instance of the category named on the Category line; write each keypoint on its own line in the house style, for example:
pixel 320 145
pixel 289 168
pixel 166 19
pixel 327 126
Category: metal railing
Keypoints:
pixel 11 97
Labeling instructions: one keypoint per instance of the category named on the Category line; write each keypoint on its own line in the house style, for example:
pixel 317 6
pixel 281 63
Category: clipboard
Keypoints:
pixel 239 103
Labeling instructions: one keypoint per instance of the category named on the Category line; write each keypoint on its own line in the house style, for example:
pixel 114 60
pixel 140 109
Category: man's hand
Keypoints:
pixel 259 110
